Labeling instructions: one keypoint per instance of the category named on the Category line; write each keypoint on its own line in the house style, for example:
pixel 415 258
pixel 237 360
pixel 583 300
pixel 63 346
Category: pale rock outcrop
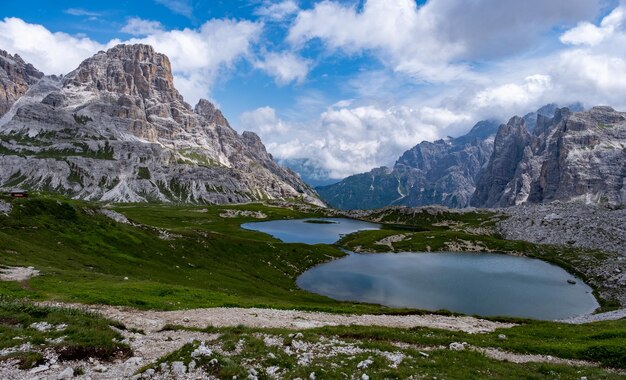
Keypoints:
pixel 572 156
pixel 16 76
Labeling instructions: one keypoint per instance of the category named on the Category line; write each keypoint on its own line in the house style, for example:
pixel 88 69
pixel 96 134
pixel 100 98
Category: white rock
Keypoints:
pixel 365 377
pixel 41 326
pixel 134 361
pixel 456 346
pixel 423 354
pixel 272 371
pixel 41 368
pixel 501 336
pixel 202 350
pixel 67 373
pixel 179 369
pixel 364 364
pixel 100 368
pixel 312 376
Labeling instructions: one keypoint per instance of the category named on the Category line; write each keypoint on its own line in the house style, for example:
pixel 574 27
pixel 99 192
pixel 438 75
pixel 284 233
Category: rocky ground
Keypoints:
pixel 572 224
pixel 149 342
pixel 577 225
pixel 149 320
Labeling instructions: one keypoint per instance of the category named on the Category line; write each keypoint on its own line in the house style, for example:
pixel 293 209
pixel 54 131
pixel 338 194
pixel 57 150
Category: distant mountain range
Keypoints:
pixel 116 129
pixel 551 154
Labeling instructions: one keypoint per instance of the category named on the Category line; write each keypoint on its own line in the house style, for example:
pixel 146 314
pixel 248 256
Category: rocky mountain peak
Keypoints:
pixel 570 156
pixel 133 70
pixel 124 133
pixel 16 77
pixel 208 110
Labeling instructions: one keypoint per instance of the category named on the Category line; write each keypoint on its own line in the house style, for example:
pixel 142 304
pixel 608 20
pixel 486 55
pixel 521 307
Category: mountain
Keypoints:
pixel 440 172
pixel 116 129
pixel 310 173
pixel 570 156
pixel 474 169
pixel 16 76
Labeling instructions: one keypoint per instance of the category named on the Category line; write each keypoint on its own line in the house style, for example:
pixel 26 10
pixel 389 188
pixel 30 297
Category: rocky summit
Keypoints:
pixel 440 172
pixel 551 154
pixel 571 156
pixel 16 76
pixel 116 129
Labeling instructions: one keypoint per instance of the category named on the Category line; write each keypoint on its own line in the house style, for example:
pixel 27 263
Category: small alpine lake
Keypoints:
pixel 312 230
pixel 484 284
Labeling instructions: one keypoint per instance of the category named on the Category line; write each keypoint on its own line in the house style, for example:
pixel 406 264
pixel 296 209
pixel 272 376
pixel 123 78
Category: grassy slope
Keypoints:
pixel 73 334
pixel 85 257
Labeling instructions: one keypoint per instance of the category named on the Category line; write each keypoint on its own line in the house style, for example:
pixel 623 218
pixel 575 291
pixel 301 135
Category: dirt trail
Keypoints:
pixel 150 320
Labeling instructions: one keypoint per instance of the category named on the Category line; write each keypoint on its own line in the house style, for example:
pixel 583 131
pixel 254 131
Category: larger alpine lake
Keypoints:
pixel 469 283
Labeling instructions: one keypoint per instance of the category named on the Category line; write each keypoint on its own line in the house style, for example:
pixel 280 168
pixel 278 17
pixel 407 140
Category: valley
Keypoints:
pixel 141 237
pixel 155 268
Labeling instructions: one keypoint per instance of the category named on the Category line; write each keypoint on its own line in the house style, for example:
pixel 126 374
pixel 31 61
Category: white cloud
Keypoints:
pixel 432 42
pixel 140 27
pixel 263 121
pixel 53 53
pixel 346 140
pixel 586 33
pixel 81 12
pixel 182 7
pixel 284 67
pixel 198 56
pixel 277 11
pixel 512 95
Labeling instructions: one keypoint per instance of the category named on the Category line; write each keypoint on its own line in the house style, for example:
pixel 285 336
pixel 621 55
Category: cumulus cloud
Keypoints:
pixel 586 33
pixel 53 53
pixel 432 41
pixel 263 121
pixel 284 67
pixel 345 140
pixel 277 11
pixel 140 27
pixel 513 95
pixel 198 56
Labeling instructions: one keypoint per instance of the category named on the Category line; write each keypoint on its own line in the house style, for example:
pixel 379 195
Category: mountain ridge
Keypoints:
pixel 497 165
pixel 116 129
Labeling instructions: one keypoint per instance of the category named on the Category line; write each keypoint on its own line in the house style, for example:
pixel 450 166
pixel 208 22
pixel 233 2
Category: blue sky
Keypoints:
pixel 348 85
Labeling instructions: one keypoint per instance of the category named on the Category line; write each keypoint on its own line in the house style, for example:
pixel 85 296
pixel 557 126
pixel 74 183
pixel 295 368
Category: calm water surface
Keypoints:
pixel 303 231
pixel 470 283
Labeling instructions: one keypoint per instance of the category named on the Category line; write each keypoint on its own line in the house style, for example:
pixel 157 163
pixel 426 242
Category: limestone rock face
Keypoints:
pixel 572 156
pixel 16 76
pixel 440 172
pixel 117 129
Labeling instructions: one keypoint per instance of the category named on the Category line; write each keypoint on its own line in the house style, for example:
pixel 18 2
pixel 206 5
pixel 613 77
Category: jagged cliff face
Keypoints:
pixel 572 156
pixel 16 76
pixel 441 172
pixel 116 129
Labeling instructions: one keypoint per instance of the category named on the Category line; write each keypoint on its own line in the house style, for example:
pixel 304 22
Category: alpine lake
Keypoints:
pixel 485 284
